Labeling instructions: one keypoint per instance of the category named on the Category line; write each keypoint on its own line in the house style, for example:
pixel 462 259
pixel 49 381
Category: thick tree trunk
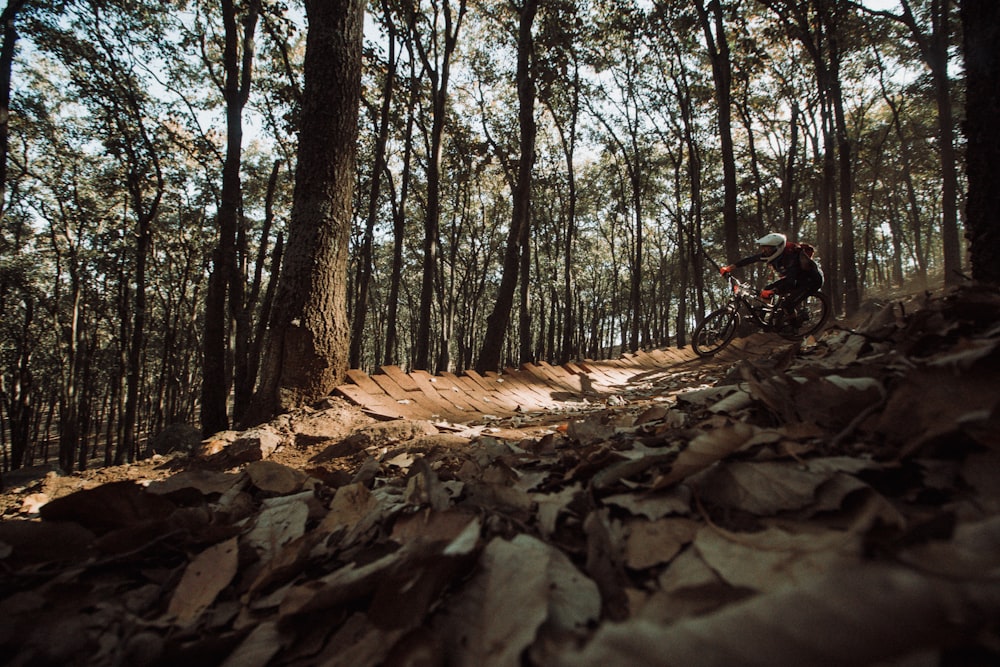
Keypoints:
pixel 307 351
pixel 981 24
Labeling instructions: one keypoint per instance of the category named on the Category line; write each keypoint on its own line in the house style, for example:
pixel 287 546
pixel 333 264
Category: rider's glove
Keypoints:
pixel 766 293
pixel 725 269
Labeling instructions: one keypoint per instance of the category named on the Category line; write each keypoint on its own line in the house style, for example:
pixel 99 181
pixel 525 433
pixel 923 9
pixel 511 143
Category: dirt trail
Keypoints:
pixel 834 502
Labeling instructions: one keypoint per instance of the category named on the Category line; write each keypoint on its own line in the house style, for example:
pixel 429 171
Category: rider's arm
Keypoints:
pixel 743 262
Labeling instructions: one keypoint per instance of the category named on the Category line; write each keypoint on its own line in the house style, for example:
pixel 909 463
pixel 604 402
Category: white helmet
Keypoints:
pixel 771 246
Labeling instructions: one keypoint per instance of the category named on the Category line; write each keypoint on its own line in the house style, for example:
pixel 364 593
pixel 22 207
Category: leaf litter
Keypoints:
pixel 834 503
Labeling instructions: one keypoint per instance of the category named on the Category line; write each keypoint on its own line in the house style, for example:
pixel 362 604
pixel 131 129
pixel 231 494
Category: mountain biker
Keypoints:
pixel 798 273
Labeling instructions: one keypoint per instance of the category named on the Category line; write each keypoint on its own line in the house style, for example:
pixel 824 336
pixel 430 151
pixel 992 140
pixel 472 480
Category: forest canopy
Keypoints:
pixel 535 180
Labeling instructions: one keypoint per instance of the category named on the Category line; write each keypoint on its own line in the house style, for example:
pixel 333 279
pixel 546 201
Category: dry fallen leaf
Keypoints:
pixel 705 450
pixel 763 488
pixel 492 622
pixel 775 558
pixel 651 543
pixel 858 616
pixel 277 526
pixel 205 577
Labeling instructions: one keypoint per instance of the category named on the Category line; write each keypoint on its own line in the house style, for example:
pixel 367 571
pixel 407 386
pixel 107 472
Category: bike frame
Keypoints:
pixel 747 302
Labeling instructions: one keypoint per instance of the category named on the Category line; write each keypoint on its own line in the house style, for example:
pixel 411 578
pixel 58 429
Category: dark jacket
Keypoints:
pixel 794 268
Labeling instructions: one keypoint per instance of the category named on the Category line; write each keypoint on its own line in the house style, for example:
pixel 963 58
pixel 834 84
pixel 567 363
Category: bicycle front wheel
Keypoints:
pixel 715 332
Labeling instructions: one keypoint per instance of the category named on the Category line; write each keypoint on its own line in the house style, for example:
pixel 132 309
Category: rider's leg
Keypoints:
pixel 806 286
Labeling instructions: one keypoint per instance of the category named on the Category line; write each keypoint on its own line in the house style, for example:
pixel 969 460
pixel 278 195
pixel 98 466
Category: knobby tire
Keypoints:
pixel 818 307
pixel 715 332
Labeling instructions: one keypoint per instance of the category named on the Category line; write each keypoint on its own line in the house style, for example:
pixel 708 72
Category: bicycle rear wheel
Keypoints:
pixel 811 315
pixel 715 332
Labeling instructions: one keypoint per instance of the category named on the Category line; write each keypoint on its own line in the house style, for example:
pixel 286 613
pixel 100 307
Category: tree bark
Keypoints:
pixel 722 73
pixel 216 371
pixel 439 73
pixel 6 63
pixel 499 319
pixel 307 351
pixel 366 255
pixel 934 50
pixel 981 25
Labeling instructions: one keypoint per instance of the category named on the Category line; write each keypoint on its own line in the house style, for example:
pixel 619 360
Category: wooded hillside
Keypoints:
pixel 542 180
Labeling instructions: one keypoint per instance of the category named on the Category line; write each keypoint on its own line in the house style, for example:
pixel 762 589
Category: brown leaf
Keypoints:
pixel 492 622
pixel 944 398
pixel 705 450
pixel 776 557
pixel 262 644
pixel 552 505
pixel 430 526
pixel 205 482
pixel 344 584
pixel 655 505
pixel 276 526
pixel 651 543
pixel 764 488
pixel 858 616
pixel 359 642
pixel 353 506
pixel 271 477
pixel 605 553
pixel 205 577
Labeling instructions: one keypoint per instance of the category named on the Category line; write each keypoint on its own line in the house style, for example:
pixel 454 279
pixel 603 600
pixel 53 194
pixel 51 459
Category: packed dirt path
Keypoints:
pixel 830 502
pixel 392 393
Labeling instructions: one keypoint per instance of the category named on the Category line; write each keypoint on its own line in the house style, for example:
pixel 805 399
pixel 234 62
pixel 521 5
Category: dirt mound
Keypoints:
pixel 832 502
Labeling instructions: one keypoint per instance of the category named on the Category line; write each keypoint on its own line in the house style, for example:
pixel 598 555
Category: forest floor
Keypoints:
pixel 832 502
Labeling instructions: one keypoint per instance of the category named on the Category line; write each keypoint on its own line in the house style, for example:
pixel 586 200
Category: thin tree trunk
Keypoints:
pixel 247 345
pixel 216 378
pixel 7 50
pixel 718 51
pixel 499 319
pixel 365 258
pixel 440 74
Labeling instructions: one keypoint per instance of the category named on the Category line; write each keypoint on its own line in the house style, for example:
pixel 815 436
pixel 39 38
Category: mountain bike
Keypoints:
pixel 719 327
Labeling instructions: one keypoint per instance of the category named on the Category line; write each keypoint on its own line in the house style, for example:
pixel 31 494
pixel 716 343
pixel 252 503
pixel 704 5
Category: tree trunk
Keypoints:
pixel 933 49
pixel 248 337
pixel 722 73
pixel 365 256
pixel 307 352
pixel 134 364
pixel 499 319
pixel 440 73
pixel 6 63
pixel 391 354
pixel 216 372
pixel 18 402
pixel 981 24
pixel 789 200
